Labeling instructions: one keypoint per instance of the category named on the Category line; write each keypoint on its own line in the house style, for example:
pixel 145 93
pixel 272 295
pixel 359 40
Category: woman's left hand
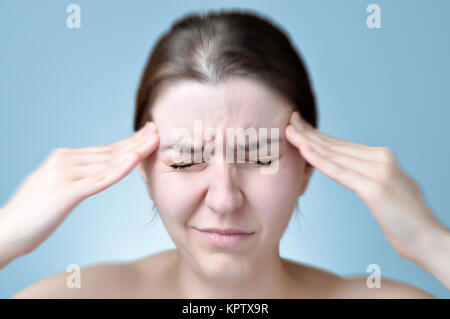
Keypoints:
pixel 373 173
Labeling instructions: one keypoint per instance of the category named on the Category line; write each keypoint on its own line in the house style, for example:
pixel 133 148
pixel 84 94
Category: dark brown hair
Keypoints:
pixel 211 47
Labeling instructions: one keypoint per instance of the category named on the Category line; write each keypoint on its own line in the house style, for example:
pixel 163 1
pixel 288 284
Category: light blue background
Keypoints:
pixel 63 87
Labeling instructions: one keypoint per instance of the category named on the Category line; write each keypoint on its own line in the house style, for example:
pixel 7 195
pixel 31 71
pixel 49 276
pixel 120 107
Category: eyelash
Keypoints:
pixel 179 167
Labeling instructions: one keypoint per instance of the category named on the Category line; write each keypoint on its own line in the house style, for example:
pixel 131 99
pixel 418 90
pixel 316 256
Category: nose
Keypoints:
pixel 224 195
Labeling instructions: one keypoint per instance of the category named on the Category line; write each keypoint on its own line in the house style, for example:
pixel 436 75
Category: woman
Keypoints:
pixel 224 70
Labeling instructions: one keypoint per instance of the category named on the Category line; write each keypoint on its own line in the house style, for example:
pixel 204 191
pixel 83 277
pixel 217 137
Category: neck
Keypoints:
pixel 268 278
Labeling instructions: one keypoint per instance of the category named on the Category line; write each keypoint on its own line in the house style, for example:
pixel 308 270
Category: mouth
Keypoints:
pixel 226 237
pixel 227 231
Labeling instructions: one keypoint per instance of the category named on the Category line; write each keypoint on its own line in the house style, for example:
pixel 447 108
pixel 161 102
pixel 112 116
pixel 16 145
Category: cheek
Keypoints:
pixel 172 193
pixel 275 195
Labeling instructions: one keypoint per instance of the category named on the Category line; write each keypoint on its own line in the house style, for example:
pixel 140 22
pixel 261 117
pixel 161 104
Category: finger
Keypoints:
pixel 362 166
pixel 148 127
pixel 362 152
pixel 345 176
pixel 337 145
pixel 304 127
pixel 98 169
pixel 344 155
pixel 87 156
pixel 147 130
pixel 307 129
pixel 94 184
pixel 118 150
pixel 77 157
pixel 143 149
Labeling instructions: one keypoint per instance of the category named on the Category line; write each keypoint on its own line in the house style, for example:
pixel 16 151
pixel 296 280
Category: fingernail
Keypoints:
pixel 291 129
pixel 144 128
pixel 296 116
pixel 150 128
pixel 151 139
pixel 129 158
pixel 153 127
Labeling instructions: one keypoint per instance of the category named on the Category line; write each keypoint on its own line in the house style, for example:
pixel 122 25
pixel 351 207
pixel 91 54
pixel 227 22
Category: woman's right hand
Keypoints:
pixel 67 177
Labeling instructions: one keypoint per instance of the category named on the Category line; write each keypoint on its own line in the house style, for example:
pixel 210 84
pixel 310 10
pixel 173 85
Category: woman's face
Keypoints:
pixel 220 194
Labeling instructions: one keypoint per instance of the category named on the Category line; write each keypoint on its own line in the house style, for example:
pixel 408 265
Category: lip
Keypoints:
pixel 225 238
pixel 225 231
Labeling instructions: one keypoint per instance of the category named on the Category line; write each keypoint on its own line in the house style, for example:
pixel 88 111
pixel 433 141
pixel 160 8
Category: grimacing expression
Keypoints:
pixel 220 194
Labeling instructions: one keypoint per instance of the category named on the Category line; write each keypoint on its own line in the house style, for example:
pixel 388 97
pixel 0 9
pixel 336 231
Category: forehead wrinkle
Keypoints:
pixel 237 105
pixel 246 147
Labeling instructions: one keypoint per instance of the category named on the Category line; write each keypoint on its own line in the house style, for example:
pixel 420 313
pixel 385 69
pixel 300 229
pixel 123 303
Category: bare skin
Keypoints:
pixel 69 176
pixel 153 277
pixel 66 178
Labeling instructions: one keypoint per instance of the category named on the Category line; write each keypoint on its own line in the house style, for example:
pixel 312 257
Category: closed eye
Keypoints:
pixel 180 166
pixel 258 162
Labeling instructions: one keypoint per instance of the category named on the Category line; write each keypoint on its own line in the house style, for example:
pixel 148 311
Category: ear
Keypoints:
pixel 309 169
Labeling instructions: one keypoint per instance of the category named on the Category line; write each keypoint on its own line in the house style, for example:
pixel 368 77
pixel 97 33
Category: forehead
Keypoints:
pixel 236 102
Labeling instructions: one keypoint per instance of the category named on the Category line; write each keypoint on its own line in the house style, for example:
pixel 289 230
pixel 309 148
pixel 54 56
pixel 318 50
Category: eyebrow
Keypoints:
pixel 257 144
pixel 247 147
pixel 169 146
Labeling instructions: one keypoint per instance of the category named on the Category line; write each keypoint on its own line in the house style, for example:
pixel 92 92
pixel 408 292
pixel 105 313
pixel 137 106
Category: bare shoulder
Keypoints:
pixel 356 287
pixel 141 278
pixel 325 284
pixel 104 280
pixel 158 272
pixel 312 282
